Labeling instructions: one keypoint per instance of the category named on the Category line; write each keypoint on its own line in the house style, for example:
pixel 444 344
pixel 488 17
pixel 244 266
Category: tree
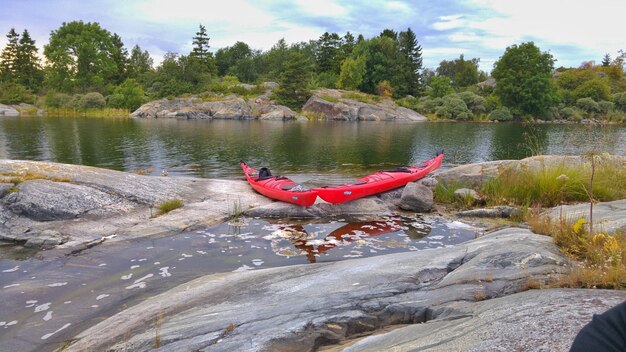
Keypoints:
pixel 139 63
pixel 80 57
pixel 440 87
pixel 412 54
pixel 383 61
pixel 389 33
pixel 352 71
pixel 9 56
pixel 328 53
pixel 273 61
pixel 237 60
pixel 120 57
pixel 523 79
pixel 606 60
pixel 461 72
pixel 128 95
pixel 201 51
pixel 293 91
pixel 28 71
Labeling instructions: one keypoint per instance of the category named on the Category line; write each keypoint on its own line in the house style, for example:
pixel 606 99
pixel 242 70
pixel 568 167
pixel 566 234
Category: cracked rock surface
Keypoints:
pixel 303 307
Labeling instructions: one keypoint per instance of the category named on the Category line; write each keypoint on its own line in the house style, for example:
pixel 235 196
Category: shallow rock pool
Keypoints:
pixel 46 302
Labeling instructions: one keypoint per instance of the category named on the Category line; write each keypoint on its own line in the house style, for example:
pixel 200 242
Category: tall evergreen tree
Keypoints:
pixel 120 57
pixel 201 51
pixel 327 56
pixel 139 63
pixel 606 60
pixel 294 80
pixel 389 33
pixel 9 56
pixel 28 71
pixel 412 53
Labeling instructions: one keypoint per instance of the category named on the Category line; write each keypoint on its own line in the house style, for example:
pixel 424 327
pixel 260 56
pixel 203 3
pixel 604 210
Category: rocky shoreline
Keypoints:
pixel 471 296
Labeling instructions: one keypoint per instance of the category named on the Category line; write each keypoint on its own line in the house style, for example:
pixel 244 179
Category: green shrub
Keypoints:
pixel 606 106
pixel 596 89
pixel 571 114
pixel 501 114
pixel 430 105
pixel 588 105
pixel 474 102
pixel 15 93
pixel 326 80
pixel 56 100
pixel 440 87
pixel 128 95
pixel 620 100
pixel 93 100
pixel 454 108
pixel 409 103
pixel 492 102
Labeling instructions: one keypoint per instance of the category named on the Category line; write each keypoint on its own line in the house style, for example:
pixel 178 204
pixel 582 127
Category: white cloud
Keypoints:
pixel 449 22
pixel 322 8
pixel 397 5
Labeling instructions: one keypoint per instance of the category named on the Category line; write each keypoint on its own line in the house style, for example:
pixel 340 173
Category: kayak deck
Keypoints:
pixel 378 182
pixel 279 187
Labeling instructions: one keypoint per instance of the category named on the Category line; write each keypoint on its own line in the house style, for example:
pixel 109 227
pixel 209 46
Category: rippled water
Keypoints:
pixel 329 151
pixel 46 302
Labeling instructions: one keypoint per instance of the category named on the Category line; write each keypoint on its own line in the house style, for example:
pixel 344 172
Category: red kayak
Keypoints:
pixel 378 182
pixel 278 187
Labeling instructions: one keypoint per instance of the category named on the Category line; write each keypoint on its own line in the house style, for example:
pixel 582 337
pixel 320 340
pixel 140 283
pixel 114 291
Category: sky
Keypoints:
pixel 572 31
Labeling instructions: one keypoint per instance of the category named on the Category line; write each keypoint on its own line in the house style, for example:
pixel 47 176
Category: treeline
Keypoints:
pixel 89 67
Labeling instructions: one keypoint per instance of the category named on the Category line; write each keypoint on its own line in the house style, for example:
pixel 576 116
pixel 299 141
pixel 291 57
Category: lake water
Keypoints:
pixel 323 150
pixel 47 301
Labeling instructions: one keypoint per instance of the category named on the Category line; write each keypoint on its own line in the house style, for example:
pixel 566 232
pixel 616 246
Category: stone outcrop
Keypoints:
pixel 6 110
pixel 303 307
pixel 608 217
pixel 416 197
pixel 501 211
pixel 341 106
pixel 218 107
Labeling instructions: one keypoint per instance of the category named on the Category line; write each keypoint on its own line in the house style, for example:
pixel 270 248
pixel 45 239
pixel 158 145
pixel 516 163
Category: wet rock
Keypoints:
pixel 231 107
pixel 429 182
pixel 473 175
pixel 332 104
pixel 468 195
pixel 4 188
pixel 304 306
pixel 392 197
pixel 608 217
pixel 6 110
pixel 363 206
pixel 493 212
pixel 527 321
pixel 46 239
pixel 279 112
pixel 416 197
pixel 44 200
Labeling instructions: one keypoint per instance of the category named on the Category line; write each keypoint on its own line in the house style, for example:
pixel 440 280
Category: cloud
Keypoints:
pixel 449 22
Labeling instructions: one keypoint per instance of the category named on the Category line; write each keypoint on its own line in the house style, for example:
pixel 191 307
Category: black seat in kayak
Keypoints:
pixel 399 169
pixel 264 174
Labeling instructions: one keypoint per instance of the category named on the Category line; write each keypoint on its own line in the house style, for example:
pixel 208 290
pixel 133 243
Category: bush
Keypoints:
pixel 384 89
pixel 620 101
pixel 56 100
pixel 571 114
pixel 474 102
pixel 128 95
pixel 440 87
pixel 588 105
pixel 15 93
pixel 501 114
pixel 429 105
pixel 606 106
pixel 326 80
pixel 409 103
pixel 168 205
pixel 454 108
pixel 93 100
pixel 596 89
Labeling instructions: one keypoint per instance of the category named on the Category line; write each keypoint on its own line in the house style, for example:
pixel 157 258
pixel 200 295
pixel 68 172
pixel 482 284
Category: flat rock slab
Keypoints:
pixel 536 320
pixel 302 307
pixel 357 207
pixel 607 216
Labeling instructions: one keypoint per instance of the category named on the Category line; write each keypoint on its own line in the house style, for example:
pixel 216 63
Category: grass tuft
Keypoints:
pixel 168 205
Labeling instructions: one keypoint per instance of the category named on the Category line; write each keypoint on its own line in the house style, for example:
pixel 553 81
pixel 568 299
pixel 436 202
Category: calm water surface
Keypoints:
pixel 213 149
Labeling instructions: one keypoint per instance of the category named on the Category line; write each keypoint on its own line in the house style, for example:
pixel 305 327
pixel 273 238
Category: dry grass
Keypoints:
pixel 17 177
pixel 157 330
pixel 479 295
pixel 147 171
pixel 601 257
pixel 168 205
pixel 106 112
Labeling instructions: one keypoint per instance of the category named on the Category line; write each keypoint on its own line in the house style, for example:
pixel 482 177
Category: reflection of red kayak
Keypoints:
pixel 378 182
pixel 344 235
pixel 278 187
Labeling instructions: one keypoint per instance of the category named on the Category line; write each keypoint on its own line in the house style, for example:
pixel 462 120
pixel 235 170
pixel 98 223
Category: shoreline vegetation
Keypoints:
pixel 109 80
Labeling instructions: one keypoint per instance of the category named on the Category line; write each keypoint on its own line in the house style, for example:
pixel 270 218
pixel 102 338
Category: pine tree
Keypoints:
pixel 120 57
pixel 201 51
pixel 28 71
pixel 412 53
pixel 327 60
pixel 140 62
pixel 606 60
pixel 9 56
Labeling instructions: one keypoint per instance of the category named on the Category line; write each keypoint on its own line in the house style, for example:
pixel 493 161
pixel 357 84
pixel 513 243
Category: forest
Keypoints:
pixel 88 67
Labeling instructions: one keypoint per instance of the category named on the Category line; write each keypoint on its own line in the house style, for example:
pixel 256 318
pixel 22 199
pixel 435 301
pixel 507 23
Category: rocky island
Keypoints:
pixel 492 292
